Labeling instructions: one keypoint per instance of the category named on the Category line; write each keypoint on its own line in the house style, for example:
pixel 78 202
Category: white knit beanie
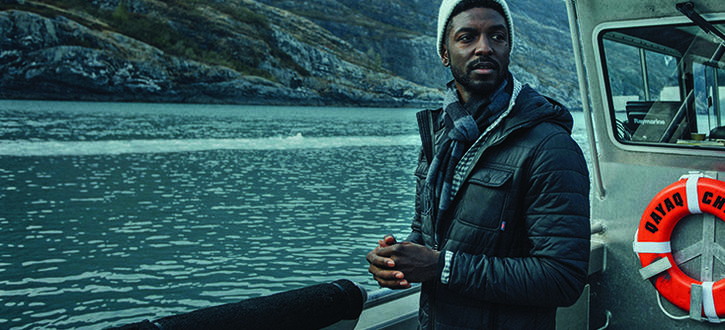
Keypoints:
pixel 444 15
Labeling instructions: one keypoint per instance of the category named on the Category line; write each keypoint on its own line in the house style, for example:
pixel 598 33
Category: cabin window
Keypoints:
pixel 666 85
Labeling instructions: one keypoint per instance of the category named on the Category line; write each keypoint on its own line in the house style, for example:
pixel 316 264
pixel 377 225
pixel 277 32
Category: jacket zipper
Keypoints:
pixel 431 128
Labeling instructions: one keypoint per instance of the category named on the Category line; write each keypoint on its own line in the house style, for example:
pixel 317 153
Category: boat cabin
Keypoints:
pixel 652 81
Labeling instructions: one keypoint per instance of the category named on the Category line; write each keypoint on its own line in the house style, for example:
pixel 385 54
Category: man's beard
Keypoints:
pixel 483 88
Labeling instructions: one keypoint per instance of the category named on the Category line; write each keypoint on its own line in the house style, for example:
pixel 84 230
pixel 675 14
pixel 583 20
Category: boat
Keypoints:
pixel 652 79
pixel 653 74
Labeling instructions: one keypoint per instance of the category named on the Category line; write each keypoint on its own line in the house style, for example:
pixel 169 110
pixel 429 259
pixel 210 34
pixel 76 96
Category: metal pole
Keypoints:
pixel 645 80
pixel 584 90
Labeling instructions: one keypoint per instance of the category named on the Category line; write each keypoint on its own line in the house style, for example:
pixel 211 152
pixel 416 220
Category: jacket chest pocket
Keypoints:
pixel 484 197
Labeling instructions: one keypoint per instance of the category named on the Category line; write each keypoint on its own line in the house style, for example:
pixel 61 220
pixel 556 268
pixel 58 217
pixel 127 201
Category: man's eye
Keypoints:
pixel 499 37
pixel 465 38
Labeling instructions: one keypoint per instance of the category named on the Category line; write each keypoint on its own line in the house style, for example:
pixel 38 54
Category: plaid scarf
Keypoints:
pixel 461 131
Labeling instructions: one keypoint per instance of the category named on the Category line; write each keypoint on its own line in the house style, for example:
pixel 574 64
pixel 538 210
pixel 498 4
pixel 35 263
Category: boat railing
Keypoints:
pixel 384 295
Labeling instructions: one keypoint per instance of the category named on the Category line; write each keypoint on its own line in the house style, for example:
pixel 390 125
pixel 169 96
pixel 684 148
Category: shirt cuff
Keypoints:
pixel 447 265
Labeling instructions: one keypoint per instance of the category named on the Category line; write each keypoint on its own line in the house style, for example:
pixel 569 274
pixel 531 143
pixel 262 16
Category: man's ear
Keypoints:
pixel 444 57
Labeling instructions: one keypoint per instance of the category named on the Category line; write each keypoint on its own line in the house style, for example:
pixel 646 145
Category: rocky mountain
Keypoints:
pixel 319 52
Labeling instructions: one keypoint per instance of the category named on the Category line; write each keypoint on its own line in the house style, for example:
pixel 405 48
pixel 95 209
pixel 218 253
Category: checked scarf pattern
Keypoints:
pixel 461 131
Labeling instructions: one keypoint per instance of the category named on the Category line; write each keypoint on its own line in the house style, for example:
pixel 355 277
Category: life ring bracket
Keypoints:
pixel 655 268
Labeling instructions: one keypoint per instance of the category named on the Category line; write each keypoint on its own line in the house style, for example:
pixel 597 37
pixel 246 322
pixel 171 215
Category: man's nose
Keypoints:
pixel 483 46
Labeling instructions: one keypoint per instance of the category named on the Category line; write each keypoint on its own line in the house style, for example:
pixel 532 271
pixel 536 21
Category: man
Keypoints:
pixel 500 236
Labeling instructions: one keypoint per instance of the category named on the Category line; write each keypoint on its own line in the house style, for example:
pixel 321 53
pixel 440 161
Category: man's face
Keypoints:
pixel 477 49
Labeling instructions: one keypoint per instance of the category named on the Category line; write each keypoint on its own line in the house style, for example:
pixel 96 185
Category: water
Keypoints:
pixel 114 213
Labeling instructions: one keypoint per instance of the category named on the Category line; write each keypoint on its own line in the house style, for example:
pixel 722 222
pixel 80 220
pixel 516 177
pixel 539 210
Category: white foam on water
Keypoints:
pixel 116 147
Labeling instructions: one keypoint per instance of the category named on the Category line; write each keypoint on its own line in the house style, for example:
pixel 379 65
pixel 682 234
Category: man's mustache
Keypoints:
pixel 483 63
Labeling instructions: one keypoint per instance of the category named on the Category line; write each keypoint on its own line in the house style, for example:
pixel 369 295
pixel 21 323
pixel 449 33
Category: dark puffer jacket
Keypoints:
pixel 518 228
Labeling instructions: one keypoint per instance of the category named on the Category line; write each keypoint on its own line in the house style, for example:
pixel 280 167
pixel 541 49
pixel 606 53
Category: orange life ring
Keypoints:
pixel 693 194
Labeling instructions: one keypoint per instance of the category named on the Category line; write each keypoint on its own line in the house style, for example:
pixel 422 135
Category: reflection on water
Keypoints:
pixel 105 236
pixel 111 238
pixel 117 213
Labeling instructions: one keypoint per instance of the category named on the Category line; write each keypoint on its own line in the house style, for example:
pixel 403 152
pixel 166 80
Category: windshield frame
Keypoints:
pixel 598 37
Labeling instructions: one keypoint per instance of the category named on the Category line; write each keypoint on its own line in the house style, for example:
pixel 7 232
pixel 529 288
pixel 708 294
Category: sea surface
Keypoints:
pixel 112 213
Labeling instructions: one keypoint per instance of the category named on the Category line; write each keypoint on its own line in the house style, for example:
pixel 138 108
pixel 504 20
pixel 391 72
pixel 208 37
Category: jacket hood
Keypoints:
pixel 531 108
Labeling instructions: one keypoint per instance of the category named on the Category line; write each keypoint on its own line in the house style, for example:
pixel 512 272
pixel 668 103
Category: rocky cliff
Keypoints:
pixel 321 52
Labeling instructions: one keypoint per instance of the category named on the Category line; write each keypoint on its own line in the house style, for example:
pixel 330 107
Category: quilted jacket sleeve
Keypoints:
pixel 416 235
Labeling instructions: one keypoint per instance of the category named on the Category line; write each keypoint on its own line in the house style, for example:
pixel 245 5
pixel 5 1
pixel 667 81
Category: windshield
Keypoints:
pixel 665 84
